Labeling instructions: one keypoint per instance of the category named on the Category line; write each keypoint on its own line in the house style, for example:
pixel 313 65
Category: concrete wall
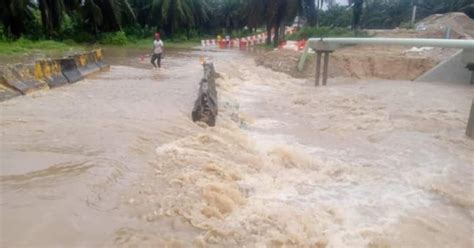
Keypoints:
pixel 452 70
pixel 22 79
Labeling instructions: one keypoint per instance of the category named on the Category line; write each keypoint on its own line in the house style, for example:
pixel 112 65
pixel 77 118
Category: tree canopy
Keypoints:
pixel 60 18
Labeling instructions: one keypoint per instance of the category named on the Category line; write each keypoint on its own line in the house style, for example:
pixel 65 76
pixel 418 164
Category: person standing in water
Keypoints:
pixel 157 51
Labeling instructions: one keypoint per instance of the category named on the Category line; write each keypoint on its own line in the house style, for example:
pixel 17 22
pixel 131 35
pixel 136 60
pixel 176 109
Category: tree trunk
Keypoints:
pixel 282 32
pixel 310 12
pixel 317 13
pixel 276 40
pixel 269 34
pixel 45 16
pixel 357 12
pixel 16 28
pixel 228 24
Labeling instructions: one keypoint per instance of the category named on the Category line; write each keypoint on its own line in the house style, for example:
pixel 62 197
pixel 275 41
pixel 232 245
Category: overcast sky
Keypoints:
pixel 341 1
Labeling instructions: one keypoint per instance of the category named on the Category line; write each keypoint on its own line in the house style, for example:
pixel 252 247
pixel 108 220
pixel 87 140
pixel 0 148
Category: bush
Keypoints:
pixel 81 37
pixel 317 32
pixel 193 34
pixel 136 32
pixel 117 38
pixel 33 28
pixel 406 25
pixel 336 16
pixel 3 36
pixel 180 37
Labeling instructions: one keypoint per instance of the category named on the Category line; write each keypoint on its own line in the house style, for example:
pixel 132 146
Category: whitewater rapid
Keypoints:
pixel 116 161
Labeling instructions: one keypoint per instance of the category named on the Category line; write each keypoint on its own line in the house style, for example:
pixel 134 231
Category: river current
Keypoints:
pixel 115 160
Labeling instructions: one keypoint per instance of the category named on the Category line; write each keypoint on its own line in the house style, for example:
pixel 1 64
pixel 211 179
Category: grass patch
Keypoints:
pixel 120 39
pixel 148 44
pixel 24 46
pixel 321 32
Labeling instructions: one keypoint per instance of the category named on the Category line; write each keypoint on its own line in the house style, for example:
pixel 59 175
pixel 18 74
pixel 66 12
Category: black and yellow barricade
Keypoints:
pixel 84 64
pixel 22 78
pixel 50 71
pixel 6 91
pixel 69 70
pixel 99 59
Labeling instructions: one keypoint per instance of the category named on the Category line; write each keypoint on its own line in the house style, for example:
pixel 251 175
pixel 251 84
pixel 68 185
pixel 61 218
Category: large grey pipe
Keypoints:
pixel 446 43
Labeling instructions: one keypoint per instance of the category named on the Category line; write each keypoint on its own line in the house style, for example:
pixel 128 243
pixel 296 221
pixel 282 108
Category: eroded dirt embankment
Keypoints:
pixel 382 62
pixel 362 62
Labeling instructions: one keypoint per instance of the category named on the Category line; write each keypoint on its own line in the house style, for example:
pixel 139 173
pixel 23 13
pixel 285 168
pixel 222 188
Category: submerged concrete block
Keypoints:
pixel 205 107
pixel 22 78
pixel 6 92
pixel 50 71
pixel 99 59
pixel 85 65
pixel 69 70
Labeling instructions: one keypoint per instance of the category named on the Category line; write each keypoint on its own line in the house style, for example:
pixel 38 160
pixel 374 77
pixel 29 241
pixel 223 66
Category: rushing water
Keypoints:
pixel 114 160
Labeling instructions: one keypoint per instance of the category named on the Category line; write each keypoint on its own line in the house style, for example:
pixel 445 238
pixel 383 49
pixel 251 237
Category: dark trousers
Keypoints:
pixel 156 57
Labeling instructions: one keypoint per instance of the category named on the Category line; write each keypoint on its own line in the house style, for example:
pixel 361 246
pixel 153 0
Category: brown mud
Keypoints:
pixel 115 161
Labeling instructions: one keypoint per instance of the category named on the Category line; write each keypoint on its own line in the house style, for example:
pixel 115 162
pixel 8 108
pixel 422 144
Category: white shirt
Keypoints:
pixel 158 46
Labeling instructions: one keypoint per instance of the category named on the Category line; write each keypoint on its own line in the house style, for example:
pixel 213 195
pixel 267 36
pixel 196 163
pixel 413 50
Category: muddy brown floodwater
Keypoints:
pixel 115 160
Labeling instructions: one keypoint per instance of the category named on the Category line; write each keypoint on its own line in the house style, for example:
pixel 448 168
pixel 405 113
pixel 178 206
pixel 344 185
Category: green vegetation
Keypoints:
pixel 184 22
pixel 146 44
pixel 24 46
pixel 308 32
pixel 117 38
pixel 406 25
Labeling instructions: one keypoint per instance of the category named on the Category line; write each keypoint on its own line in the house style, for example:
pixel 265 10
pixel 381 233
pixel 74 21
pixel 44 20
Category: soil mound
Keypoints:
pixel 462 27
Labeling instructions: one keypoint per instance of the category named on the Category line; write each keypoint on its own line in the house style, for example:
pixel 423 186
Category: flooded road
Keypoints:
pixel 116 161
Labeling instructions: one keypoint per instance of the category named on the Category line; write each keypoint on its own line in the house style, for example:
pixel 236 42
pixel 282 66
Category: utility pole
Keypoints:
pixel 470 123
pixel 413 16
pixel 413 13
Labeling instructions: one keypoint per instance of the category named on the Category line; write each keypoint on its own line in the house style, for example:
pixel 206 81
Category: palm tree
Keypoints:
pixel 52 13
pixel 274 13
pixel 255 10
pixel 232 15
pixel 171 14
pixel 14 15
pixel 201 11
pixel 142 11
pixel 357 13
pixel 115 14
pixel 92 16
pixel 107 15
pixel 309 11
pixel 319 7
